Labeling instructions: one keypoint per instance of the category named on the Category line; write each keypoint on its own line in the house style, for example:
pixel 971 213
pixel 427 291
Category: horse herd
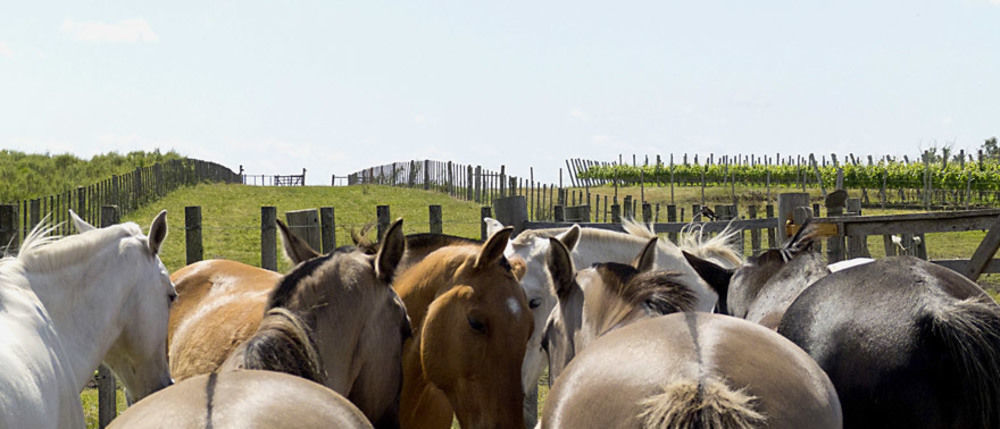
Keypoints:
pixel 416 331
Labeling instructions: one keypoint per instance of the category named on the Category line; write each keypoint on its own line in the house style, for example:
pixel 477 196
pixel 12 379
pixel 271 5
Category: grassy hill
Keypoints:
pixel 231 215
pixel 25 176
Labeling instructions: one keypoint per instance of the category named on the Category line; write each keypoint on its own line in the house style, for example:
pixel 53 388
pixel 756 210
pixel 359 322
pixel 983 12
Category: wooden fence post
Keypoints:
pixel 787 203
pixel 857 246
pixel 192 233
pixel 383 218
pixel 754 233
pixel 329 230
pixel 107 404
pixel 305 225
pixel 9 234
pixel 434 212
pixel 268 238
pixel 484 212
pixel 672 217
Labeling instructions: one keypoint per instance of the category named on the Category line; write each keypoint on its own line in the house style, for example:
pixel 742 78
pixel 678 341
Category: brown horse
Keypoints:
pixel 243 399
pixel 683 370
pixel 471 324
pixel 357 321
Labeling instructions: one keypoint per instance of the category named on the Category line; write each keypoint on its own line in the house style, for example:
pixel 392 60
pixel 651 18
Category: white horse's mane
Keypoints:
pixel 60 251
pixel 692 239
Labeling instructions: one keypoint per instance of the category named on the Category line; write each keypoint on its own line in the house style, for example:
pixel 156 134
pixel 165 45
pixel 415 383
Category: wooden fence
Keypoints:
pixel 127 192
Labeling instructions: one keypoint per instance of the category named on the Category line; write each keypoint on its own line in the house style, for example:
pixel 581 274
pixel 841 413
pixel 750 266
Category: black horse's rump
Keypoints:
pixel 907 343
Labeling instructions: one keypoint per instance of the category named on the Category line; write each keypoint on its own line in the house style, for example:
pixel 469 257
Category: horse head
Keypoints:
pixel 473 333
pixel 358 321
pixel 138 355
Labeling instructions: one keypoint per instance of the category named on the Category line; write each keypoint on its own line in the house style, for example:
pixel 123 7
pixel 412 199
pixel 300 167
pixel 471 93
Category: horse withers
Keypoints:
pixel 356 321
pixel 66 305
pixel 906 342
pixel 471 323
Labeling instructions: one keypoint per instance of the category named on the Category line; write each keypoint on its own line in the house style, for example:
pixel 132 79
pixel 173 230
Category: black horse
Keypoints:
pixel 906 342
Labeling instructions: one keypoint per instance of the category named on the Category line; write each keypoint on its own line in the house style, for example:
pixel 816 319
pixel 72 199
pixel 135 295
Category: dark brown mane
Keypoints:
pixel 284 343
pixel 626 290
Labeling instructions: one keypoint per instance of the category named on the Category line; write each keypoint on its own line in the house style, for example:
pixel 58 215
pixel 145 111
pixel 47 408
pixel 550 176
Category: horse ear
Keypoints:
pixel 157 232
pixel 80 224
pixel 492 225
pixel 716 276
pixel 646 259
pixel 493 249
pixel 295 248
pixel 390 252
pixel 570 237
pixel 560 266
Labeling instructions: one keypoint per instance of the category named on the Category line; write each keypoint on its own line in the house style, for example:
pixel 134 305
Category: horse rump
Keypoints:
pixel 284 343
pixel 969 330
pixel 704 404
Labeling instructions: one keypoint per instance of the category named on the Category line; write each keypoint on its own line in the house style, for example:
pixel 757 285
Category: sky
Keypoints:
pixel 335 87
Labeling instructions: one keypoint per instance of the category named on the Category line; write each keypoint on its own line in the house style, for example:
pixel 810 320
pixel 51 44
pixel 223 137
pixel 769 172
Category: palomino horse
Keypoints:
pixel 68 303
pixel 588 245
pixel 765 285
pixel 906 342
pixel 243 399
pixel 471 324
pixel 683 370
pixel 357 320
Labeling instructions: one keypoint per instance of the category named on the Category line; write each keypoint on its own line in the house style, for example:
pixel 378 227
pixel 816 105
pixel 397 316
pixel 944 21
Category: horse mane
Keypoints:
pixel 708 403
pixel 42 250
pixel 624 291
pixel 284 342
pixel 720 248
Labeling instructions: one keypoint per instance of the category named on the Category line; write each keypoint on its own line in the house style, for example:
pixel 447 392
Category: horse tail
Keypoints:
pixel 284 343
pixel 701 404
pixel 970 331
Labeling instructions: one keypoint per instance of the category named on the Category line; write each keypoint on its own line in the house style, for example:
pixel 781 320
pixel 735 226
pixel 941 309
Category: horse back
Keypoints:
pixel 692 370
pixel 219 305
pixel 907 344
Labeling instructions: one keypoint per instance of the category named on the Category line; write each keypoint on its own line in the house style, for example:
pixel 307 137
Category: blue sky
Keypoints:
pixel 337 86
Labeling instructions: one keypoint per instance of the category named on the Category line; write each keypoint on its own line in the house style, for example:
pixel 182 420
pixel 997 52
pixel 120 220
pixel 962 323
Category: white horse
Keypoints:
pixel 66 305
pixel 588 246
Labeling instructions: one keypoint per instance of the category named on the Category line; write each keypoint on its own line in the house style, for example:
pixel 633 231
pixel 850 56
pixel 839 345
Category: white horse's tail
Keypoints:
pixel 704 404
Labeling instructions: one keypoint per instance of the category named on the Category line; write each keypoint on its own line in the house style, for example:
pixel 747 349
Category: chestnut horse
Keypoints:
pixel 357 320
pixel 243 399
pixel 470 326
pixel 682 370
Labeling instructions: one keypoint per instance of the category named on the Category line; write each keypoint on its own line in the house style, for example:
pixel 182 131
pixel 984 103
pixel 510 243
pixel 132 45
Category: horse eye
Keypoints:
pixel 476 325
pixel 534 303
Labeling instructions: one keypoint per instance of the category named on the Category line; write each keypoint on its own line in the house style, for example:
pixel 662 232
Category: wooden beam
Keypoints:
pixel 984 253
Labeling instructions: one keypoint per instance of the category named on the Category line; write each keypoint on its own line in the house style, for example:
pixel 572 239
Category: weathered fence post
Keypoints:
pixel 857 245
pixel 107 404
pixel 672 217
pixel 484 212
pixel 434 212
pixel 329 230
pixel 383 219
pixel 754 233
pixel 9 235
pixel 268 238
pixel 192 233
pixel 787 203
pixel 512 211
pixel 305 225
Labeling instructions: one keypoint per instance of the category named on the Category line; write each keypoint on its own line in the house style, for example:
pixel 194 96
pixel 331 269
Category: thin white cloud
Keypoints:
pixel 577 113
pixel 126 31
pixel 5 50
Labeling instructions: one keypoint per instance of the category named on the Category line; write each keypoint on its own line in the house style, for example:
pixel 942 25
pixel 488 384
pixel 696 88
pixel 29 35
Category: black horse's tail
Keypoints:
pixel 970 331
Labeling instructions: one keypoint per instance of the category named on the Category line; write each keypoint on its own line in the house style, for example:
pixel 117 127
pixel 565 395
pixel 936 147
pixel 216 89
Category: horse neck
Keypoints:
pixel 82 301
